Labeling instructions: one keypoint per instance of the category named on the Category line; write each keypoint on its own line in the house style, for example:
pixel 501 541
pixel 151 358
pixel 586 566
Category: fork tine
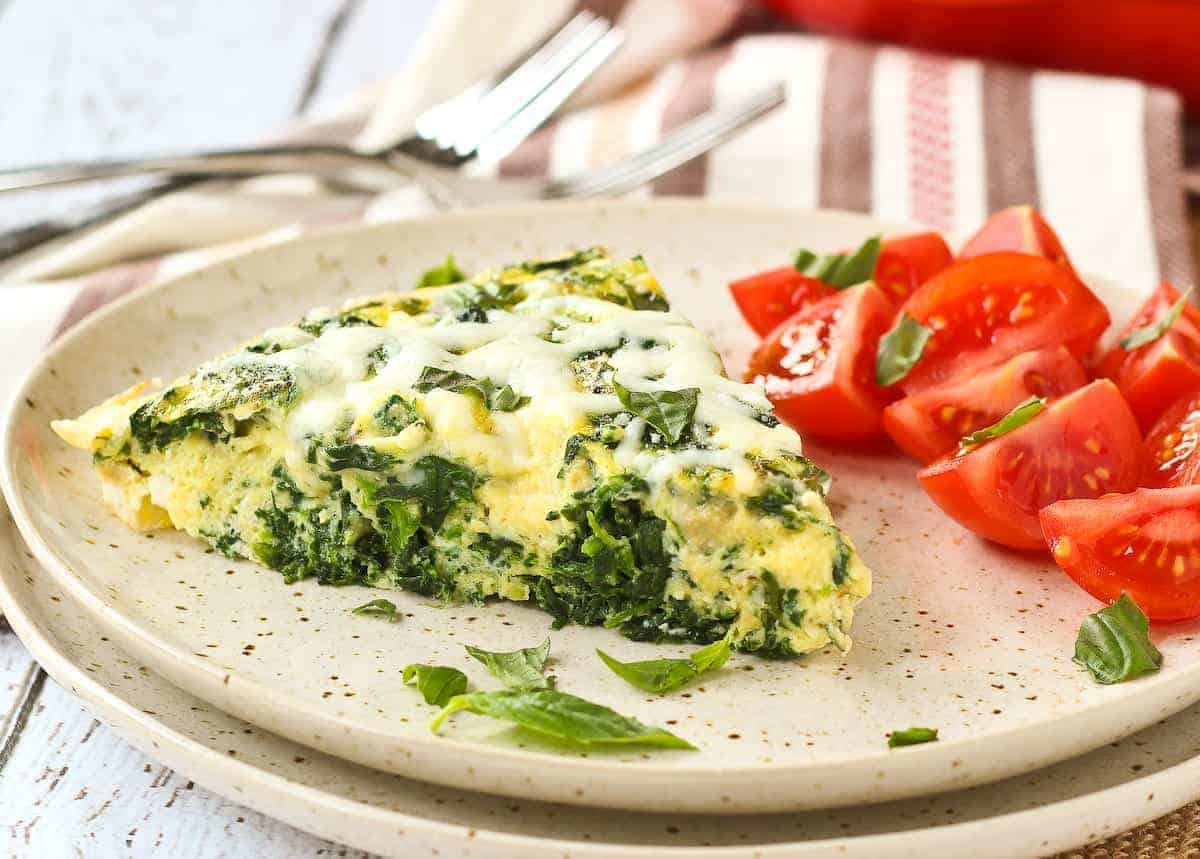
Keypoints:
pixel 518 89
pixel 527 120
pixel 685 143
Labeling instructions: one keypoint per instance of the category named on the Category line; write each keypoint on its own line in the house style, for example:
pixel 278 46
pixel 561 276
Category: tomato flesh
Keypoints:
pixel 1173 445
pixel 768 298
pixel 1153 309
pixel 931 423
pixel 1021 229
pixel 1082 446
pixel 1144 543
pixel 1159 373
pixel 906 262
pixel 986 309
pixel 818 367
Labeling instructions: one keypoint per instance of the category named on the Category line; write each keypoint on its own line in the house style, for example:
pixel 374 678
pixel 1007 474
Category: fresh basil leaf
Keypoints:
pixel 438 684
pixel 911 737
pixel 841 270
pixel 442 275
pixel 667 675
pixel 562 717
pixel 519 669
pixel 503 399
pixel 900 349
pixel 669 412
pixel 1150 333
pixel 1114 644
pixel 1021 414
pixel 378 608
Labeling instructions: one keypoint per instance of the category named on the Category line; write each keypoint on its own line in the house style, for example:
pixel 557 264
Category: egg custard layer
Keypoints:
pixel 545 432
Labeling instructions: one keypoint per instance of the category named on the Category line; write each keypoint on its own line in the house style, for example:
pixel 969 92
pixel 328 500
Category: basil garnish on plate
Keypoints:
pixel 900 349
pixel 562 717
pixel 378 608
pixel 438 684
pixel 442 275
pixel 669 412
pixel 911 737
pixel 666 675
pixel 841 270
pixel 1021 414
pixel 518 669
pixel 1114 644
pixel 1150 333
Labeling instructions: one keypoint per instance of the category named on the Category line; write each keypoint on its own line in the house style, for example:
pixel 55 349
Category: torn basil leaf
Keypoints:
pixel 1114 644
pixel 1150 333
pixel 442 275
pixel 667 675
pixel 498 399
pixel 841 270
pixel 900 349
pixel 669 412
pixel 1021 414
pixel 562 717
pixel 438 684
pixel 911 737
pixel 378 608
pixel 519 669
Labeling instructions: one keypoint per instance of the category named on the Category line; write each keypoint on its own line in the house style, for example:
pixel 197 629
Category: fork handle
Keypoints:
pixel 306 158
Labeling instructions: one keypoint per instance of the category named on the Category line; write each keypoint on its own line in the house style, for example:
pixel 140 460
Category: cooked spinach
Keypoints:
pixel 396 414
pixel 342 456
pixel 437 484
pixel 518 669
pixel 498 399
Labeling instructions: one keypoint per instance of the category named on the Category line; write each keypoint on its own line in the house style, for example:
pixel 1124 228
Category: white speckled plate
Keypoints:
pixel 1097 795
pixel 970 639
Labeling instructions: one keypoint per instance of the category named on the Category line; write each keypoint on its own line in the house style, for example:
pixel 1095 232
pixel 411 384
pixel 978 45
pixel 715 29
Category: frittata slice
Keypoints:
pixel 547 432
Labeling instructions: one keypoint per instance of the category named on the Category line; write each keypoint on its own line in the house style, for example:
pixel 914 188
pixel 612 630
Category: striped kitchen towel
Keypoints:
pixel 908 136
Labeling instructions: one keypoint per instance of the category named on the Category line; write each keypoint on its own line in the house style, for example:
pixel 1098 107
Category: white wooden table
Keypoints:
pixel 88 78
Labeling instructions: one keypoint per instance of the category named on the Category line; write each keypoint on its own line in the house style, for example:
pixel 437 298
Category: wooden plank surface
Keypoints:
pixel 119 77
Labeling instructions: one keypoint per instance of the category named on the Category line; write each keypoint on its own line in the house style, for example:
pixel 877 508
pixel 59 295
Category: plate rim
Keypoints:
pixel 1172 687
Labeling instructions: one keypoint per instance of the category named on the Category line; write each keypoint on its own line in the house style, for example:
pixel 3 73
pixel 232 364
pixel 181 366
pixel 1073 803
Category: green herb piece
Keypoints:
pixel 438 684
pixel 396 415
pixel 1113 643
pixel 399 522
pixel 666 675
pixel 378 608
pixel 912 737
pixel 503 399
pixel 442 275
pixel 361 456
pixel 1150 333
pixel 562 717
pixel 669 412
pixel 518 670
pixel 437 484
pixel 841 270
pixel 900 349
pixel 1021 414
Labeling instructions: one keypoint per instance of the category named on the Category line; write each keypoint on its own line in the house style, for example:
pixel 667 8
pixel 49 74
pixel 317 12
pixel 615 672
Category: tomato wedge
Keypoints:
pixel 818 367
pixel 906 262
pixel 1021 229
pixel 1173 445
pixel 930 423
pixel 1155 307
pixel 986 309
pixel 1145 543
pixel 768 298
pixel 1081 446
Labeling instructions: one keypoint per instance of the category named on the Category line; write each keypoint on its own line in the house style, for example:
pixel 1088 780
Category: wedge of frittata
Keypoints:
pixel 547 432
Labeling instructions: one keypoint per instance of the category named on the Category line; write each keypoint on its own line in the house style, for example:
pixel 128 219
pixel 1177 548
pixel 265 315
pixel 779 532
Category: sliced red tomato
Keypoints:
pixel 906 262
pixel 1160 372
pixel 931 423
pixel 1021 229
pixel 1145 543
pixel 768 298
pixel 1173 445
pixel 1081 446
pixel 818 367
pixel 989 308
pixel 1155 307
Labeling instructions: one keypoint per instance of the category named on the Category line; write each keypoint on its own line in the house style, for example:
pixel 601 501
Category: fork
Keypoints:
pixel 489 118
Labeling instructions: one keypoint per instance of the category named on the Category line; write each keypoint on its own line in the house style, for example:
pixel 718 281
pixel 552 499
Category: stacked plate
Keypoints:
pixel 974 641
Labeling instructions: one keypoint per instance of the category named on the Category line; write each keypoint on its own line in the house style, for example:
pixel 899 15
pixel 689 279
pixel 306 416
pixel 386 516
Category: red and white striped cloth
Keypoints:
pixel 908 136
